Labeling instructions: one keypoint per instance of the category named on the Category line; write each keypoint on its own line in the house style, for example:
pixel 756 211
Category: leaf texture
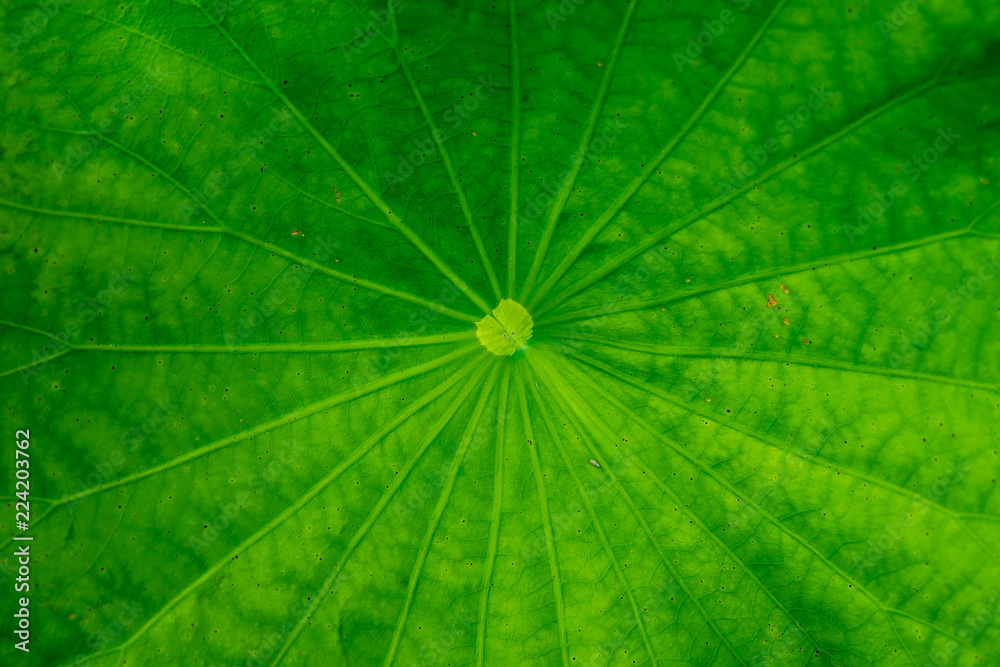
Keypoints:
pixel 745 250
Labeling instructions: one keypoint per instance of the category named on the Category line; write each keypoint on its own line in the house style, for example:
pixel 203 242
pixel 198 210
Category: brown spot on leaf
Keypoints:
pixel 806 342
pixel 783 288
pixel 771 301
pixel 785 320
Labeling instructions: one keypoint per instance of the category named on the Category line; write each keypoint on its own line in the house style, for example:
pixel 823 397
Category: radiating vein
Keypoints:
pixel 581 407
pixel 755 276
pixel 383 501
pixel 149 38
pixel 592 513
pixel 105 218
pixel 435 520
pixel 494 539
pixel 543 509
pixel 561 396
pixel 333 207
pixel 936 628
pixel 782 526
pixel 292 348
pixel 709 353
pixel 562 387
pixel 271 424
pixel 654 164
pixel 290 510
pixel 556 209
pixel 261 348
pixel 436 135
pixel 228 231
pixel 714 205
pixel 955 50
pixel 38 362
pixel 515 144
pixel 365 187
pixel 982 216
pixel 363 282
pixel 634 459
pixel 734 425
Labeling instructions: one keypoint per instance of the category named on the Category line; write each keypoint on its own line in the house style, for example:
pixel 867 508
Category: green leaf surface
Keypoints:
pixel 246 245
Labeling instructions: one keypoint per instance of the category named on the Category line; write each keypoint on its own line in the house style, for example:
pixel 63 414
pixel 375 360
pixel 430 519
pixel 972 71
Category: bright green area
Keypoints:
pixel 506 329
pixel 246 245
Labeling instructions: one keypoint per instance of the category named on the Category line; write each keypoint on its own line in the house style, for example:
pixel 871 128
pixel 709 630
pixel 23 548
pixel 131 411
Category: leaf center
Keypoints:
pixel 506 330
